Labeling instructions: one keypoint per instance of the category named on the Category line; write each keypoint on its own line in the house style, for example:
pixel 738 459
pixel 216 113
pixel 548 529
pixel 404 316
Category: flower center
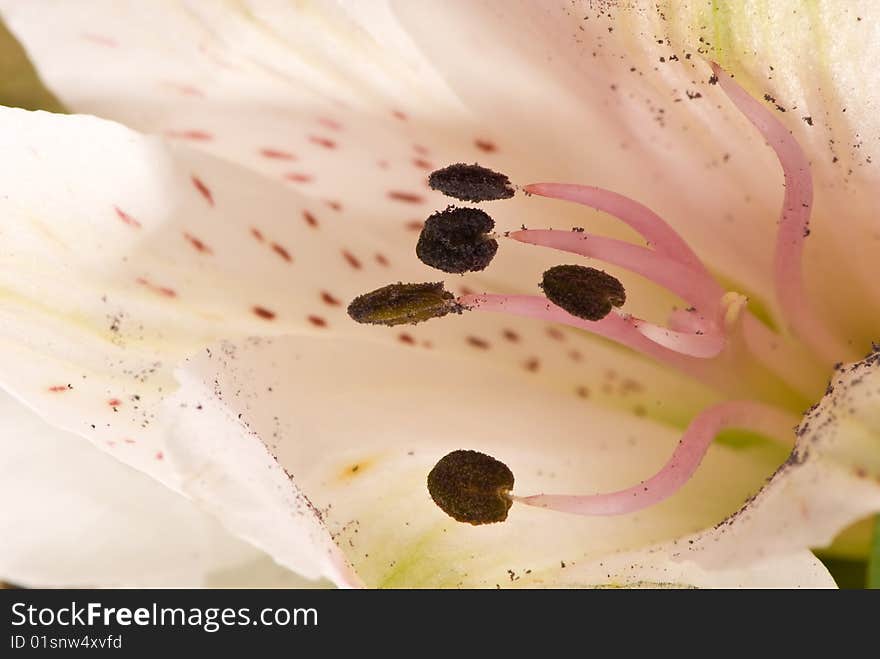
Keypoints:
pixel 715 339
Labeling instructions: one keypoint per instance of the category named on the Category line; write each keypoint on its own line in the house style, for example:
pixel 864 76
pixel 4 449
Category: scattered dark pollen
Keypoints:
pixel 403 304
pixel 471 487
pixel 583 292
pixel 471 183
pixel 455 240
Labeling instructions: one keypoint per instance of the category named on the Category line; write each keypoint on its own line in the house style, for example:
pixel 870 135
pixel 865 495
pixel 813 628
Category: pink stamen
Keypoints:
pixel 693 286
pixel 646 222
pixel 701 343
pixel 626 330
pixel 794 221
pixel 681 465
pixel 683 320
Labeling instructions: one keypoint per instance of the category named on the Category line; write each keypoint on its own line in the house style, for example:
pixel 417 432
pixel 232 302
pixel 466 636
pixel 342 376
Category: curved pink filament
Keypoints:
pixel 691 285
pixel 685 460
pixel 622 329
pixel 703 344
pixel 685 320
pixel 794 221
pixel 646 222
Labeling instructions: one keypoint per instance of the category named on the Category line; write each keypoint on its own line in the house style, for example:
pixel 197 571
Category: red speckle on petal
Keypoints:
pixel 555 334
pixel 325 142
pixel 406 338
pixel 283 253
pixel 332 124
pixel 532 365
pixel 114 402
pixel 329 299
pixel 276 154
pixel 100 39
pixel 263 313
pixel 160 455
pixel 466 291
pixel 477 342
pixel 418 148
pixel 256 233
pixel 310 219
pixel 382 260
pixel 203 189
pixel 583 392
pixel 397 114
pixel 195 135
pixel 125 217
pixel 161 290
pixel 406 197
pixel 383 164
pixel 197 244
pixel 129 441
pixel 485 145
pixel 421 163
pixel 415 225
pixel 351 259
pixel 335 205
pixel 297 177
pixel 58 388
pixel 317 321
pixel 510 335
pixel 575 355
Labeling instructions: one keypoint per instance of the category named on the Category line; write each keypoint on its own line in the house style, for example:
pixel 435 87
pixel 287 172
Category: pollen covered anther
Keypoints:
pixel 583 292
pixel 455 240
pixel 471 487
pixel 403 304
pixel 471 183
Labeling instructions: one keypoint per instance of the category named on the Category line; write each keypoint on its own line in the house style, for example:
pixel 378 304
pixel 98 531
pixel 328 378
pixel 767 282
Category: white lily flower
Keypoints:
pixel 175 271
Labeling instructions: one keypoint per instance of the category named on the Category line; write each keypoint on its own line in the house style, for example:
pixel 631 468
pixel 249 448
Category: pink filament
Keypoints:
pixel 794 220
pixel 705 344
pixel 681 465
pixel 691 285
pixel 650 226
pixel 628 331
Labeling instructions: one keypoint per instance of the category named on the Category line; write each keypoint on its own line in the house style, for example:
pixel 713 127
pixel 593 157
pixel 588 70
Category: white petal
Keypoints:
pixel 358 430
pixel 75 517
pixel 831 480
pixel 656 568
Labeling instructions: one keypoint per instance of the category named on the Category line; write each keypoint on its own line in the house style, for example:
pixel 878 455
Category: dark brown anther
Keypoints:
pixel 471 487
pixel 403 304
pixel 583 292
pixel 471 183
pixel 455 240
